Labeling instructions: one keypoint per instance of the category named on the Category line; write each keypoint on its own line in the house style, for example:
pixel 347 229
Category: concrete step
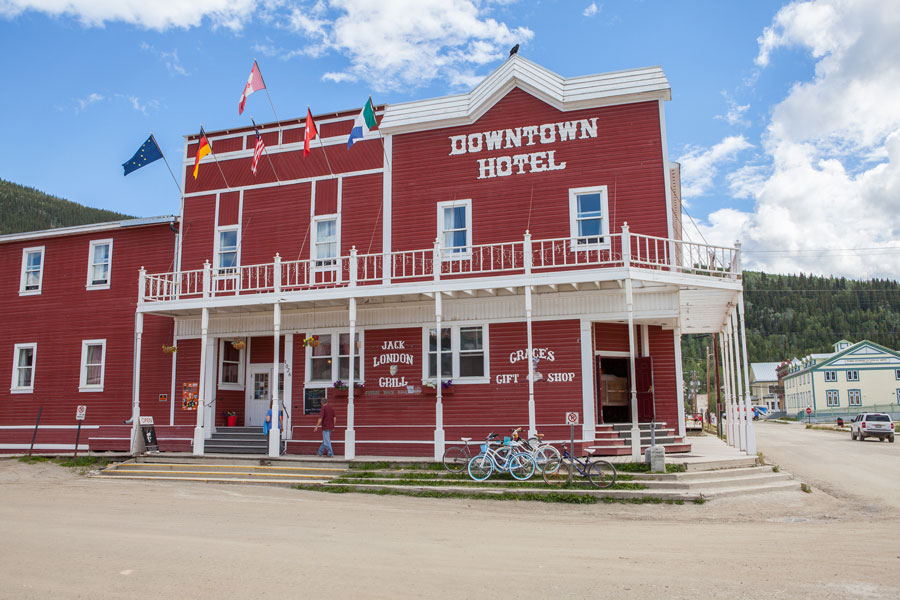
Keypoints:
pixel 248 460
pixel 611 450
pixel 213 479
pixel 223 468
pixel 779 486
pixel 728 463
pixel 645 435
pixel 217 471
pixel 718 483
pixel 702 475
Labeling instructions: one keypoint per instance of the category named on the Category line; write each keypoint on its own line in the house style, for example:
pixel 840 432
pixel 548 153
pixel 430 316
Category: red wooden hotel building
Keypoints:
pixel 479 262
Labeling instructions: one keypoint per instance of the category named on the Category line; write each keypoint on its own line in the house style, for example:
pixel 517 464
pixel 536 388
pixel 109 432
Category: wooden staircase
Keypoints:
pixel 614 439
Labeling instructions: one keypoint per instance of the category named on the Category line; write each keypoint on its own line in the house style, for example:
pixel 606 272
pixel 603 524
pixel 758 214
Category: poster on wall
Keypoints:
pixel 312 400
pixel 189 396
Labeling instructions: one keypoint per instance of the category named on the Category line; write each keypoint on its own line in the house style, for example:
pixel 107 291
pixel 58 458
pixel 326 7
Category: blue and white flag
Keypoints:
pixel 364 122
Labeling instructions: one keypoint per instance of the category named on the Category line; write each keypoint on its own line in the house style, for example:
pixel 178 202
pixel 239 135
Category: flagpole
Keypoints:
pixel 167 163
pixel 321 143
pixel 215 158
pixel 266 150
pixel 265 87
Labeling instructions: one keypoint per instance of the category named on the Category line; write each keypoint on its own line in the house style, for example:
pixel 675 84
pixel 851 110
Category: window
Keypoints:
pixel 896 373
pixel 23 368
pixel 93 357
pixel 231 361
pixel 830 375
pixel 325 241
pixel 32 271
pixel 320 361
pixel 832 398
pixel 330 360
pixel 454 225
pixel 463 353
pixel 227 250
pixel 344 358
pixel 589 226
pixel 853 375
pixel 854 397
pixel 898 396
pixel 99 264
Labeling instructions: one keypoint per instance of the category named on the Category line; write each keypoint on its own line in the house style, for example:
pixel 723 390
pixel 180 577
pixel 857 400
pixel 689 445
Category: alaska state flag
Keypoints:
pixel 364 122
pixel 146 154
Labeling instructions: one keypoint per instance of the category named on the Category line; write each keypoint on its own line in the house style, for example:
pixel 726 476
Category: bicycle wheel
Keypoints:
pixel 456 458
pixel 502 457
pixel 556 474
pixel 601 473
pixel 522 466
pixel 547 457
pixel 481 467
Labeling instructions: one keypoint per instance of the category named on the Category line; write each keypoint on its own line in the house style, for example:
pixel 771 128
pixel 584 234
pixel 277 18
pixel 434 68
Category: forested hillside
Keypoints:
pixel 27 209
pixel 793 315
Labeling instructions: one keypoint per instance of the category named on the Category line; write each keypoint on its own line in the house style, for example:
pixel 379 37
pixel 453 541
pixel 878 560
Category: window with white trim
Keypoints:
pixel 463 353
pixel 325 241
pixel 588 220
pixel 227 243
pixel 24 356
pixel 329 360
pixel 32 271
pixel 897 374
pixel 853 375
pixel 231 366
pixel 454 226
pixel 344 357
pixel 93 361
pixel 99 264
pixel 854 397
pixel 830 375
pixel 832 398
pixel 898 396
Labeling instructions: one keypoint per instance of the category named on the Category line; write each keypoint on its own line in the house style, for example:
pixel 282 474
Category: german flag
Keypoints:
pixel 202 150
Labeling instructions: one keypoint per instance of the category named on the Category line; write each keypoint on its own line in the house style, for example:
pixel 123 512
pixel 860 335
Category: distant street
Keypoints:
pixel 867 472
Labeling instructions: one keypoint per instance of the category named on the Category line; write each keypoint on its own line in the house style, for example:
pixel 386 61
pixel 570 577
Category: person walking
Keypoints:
pixel 326 422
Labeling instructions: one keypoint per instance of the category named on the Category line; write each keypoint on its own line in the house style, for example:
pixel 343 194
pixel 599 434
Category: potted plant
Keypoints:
pixel 230 418
pixel 430 387
pixel 341 389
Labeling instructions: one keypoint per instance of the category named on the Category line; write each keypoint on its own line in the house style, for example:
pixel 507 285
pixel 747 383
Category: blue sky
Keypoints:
pixel 782 113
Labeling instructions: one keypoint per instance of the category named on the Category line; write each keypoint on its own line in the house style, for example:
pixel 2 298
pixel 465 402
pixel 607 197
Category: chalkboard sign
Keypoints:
pixel 312 400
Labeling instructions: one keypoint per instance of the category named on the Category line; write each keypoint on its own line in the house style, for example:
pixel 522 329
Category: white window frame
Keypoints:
pixel 25 253
pixel 83 386
pixel 855 374
pixel 573 218
pixel 830 375
pixel 14 388
pixel 454 351
pixel 850 401
pixel 326 264
pixel 242 366
pixel 227 271
pixel 832 398
pixel 90 272
pixel 898 396
pixel 897 374
pixel 335 358
pixel 466 254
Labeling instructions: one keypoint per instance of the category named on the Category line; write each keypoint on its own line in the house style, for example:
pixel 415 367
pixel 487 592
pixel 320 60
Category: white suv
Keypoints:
pixel 872 425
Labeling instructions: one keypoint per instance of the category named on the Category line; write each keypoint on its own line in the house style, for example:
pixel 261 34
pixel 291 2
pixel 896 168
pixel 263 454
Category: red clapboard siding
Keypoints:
pixel 186 371
pixel 276 220
pixel 361 214
pixel 611 337
pixel 326 197
pixel 261 349
pixel 229 207
pixel 198 232
pixel 665 384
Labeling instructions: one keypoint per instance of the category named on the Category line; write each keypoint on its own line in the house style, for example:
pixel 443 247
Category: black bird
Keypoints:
pixel 514 49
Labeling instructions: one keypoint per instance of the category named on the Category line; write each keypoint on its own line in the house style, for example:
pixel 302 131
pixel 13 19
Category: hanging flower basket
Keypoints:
pixel 429 388
pixel 238 344
pixel 169 349
pixel 311 341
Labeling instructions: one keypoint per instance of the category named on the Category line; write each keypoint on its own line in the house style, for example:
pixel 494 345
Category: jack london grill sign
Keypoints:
pixel 522 137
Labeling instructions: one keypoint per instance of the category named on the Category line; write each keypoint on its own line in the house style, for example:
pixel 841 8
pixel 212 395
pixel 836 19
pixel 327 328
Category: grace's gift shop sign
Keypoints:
pixel 537 355
pixel 518 163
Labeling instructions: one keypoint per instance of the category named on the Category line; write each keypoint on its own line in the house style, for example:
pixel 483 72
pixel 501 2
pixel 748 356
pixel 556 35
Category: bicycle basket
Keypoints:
pixel 507 441
pixel 484 447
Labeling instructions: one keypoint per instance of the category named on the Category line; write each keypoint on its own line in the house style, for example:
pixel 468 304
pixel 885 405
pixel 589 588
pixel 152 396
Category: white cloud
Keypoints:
pixel 149 14
pixel 83 103
pixel 169 59
pixel 735 114
pixel 144 107
pixel 831 148
pixel 591 10
pixel 699 166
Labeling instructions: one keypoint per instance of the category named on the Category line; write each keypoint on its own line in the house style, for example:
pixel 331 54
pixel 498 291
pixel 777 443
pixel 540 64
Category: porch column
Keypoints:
pixel 734 419
pixel 679 378
pixel 532 421
pixel 438 405
pixel 274 430
pixel 635 429
pixel 589 404
pixel 350 434
pixel 199 433
pixel 741 421
pixel 751 433
pixel 727 388
pixel 136 379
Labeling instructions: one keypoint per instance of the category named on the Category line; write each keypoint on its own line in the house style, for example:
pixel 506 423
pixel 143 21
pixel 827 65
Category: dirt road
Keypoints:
pixel 67 536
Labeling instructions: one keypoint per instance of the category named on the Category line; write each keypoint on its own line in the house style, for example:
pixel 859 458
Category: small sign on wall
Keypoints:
pixel 163 397
pixel 189 395
pixel 80 412
pixel 312 400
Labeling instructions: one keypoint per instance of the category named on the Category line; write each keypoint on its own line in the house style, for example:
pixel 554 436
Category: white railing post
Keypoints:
pixel 626 245
pixel 436 264
pixel 736 261
pixel 207 277
pixel 142 284
pixel 529 258
pixel 354 272
pixel 276 276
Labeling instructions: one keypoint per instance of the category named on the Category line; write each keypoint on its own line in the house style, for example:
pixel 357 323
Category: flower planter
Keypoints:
pixel 231 421
pixel 341 393
pixel 430 391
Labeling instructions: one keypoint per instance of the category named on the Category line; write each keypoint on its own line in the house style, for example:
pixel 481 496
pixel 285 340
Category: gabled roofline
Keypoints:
pixel 856 345
pixel 94 227
pixel 576 93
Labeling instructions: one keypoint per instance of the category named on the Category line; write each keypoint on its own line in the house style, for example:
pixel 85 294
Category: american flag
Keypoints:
pixel 257 151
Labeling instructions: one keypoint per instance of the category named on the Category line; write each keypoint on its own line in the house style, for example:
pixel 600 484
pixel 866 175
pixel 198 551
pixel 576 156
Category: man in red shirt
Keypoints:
pixel 326 422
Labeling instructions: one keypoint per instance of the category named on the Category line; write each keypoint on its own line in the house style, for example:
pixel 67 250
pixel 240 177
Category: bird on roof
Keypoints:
pixel 514 49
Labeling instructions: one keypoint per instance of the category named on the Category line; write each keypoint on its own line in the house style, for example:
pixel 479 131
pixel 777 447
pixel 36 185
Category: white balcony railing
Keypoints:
pixel 521 257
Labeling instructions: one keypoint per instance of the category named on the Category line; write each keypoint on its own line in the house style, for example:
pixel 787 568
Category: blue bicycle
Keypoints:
pixel 505 459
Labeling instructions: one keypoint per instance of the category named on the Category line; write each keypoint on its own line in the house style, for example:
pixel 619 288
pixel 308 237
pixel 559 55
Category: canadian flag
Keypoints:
pixel 254 84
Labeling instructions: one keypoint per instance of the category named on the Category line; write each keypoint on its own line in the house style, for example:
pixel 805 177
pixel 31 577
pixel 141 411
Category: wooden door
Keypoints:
pixel 643 371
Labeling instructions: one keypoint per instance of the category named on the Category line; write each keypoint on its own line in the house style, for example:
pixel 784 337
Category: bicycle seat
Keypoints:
pixel 466 439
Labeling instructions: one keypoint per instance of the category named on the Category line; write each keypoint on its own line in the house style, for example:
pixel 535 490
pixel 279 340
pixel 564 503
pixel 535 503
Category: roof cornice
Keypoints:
pixel 92 228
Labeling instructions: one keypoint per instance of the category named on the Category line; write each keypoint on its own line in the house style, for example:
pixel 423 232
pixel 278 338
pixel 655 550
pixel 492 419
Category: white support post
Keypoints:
pixel 751 433
pixel 626 245
pixel 207 278
pixel 439 404
pixel 679 377
pixel 136 377
pixel 734 419
pixel 354 267
pixel 588 404
pixel 528 256
pixel 635 428
pixel 723 342
pixel 199 433
pixel 741 421
pixel 532 419
pixel 350 435
pixel 274 430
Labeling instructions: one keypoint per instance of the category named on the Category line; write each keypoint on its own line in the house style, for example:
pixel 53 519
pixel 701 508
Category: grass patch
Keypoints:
pixel 82 461
pixel 700 500
pixel 370 466
pixel 645 468
pixel 776 468
pixel 512 483
pixel 33 459
pixel 805 487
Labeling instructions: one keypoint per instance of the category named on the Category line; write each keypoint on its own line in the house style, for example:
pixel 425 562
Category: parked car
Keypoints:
pixel 872 425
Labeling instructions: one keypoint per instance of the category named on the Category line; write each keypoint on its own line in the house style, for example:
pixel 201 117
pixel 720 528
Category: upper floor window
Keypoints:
pixel 853 375
pixel 227 249
pixel 588 222
pixel 32 271
pixel 231 361
pixel 830 375
pixel 325 241
pixel 99 264
pixel 93 360
pixel 454 225
pixel 23 368
pixel 463 352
